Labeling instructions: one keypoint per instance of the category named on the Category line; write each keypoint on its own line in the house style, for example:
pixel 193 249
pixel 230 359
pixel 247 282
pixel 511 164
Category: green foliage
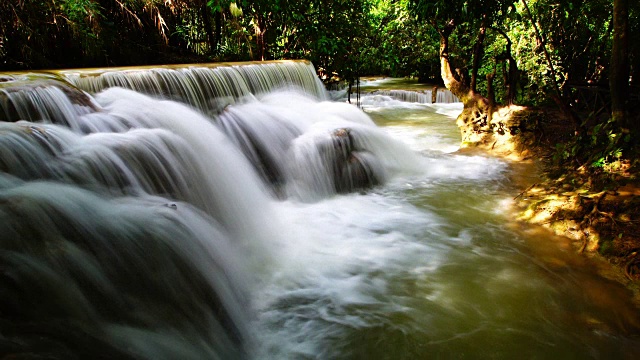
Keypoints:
pixel 599 149
pixel 399 35
pixel 342 38
pixel 606 247
pixel 577 35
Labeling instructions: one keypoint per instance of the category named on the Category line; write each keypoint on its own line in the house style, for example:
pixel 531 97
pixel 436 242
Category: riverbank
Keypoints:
pixel 596 211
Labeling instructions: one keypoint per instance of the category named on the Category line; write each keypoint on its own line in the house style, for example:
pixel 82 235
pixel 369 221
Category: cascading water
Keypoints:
pixel 232 212
pixel 378 92
pixel 421 97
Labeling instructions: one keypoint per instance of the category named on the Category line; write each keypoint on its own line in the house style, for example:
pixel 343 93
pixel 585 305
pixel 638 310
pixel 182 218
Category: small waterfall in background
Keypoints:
pixel 415 96
pixel 231 211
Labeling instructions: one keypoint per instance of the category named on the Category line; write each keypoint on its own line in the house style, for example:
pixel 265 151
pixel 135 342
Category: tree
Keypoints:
pixel 475 17
pixel 619 73
pixel 510 77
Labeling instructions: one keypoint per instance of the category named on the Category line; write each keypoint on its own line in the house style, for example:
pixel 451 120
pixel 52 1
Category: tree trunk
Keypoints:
pixel 512 87
pixel 512 81
pixel 619 73
pixel 511 76
pixel 475 120
pixel 491 96
pixel 260 38
pixel 478 52
pixel 218 29
pixel 262 45
pixel 208 27
pixel 451 81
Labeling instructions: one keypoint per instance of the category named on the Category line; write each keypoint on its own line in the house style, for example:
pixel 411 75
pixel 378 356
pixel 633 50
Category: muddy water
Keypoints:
pixel 432 266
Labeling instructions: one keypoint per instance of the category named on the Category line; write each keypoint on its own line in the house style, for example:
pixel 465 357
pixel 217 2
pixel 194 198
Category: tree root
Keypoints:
pixel 629 267
pixel 591 217
pixel 525 191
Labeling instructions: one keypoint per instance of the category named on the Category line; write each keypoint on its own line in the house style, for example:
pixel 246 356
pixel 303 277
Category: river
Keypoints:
pixel 274 224
pixel 433 265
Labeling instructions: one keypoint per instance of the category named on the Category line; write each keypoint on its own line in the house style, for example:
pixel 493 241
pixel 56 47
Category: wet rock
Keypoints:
pixel 357 172
pixel 353 169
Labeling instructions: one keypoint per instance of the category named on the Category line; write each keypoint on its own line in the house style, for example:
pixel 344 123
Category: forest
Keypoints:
pixel 577 59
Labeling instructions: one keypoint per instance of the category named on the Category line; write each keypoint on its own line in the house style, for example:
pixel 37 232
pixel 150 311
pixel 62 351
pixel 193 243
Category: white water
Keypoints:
pixel 343 258
pixel 424 267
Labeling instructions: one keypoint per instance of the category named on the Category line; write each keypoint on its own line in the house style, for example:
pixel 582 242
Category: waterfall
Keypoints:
pixel 229 211
pixel 137 204
pixel 128 239
pixel 413 96
pixel 207 87
pixel 84 275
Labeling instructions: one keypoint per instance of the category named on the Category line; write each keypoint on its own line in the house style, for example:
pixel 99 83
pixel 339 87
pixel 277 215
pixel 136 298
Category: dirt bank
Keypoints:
pixel 598 212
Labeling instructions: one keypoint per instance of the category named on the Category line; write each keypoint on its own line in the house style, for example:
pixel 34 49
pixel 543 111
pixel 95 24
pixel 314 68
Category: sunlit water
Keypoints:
pixel 431 266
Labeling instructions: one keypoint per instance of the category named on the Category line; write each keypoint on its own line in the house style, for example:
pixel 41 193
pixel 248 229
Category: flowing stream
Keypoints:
pixel 233 211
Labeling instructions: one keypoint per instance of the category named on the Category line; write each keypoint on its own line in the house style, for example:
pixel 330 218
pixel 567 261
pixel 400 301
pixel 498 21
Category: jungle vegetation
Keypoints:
pixel 581 56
